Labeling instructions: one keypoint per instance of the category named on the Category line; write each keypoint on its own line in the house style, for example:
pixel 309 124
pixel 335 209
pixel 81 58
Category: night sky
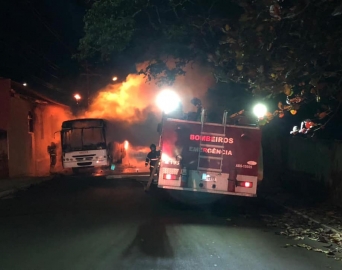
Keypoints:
pixel 37 41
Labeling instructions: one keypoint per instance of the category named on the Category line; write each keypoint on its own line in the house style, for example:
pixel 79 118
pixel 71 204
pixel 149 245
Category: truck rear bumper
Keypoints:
pixel 208 191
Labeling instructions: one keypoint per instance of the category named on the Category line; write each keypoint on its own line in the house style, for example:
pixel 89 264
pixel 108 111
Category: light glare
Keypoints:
pixel 165 158
pixel 77 97
pixel 259 110
pixel 168 101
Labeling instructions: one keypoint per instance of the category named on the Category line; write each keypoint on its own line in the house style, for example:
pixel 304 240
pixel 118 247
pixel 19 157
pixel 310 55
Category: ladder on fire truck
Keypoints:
pixel 209 145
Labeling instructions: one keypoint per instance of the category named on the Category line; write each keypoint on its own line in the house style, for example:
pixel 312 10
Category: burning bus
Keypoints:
pixel 84 144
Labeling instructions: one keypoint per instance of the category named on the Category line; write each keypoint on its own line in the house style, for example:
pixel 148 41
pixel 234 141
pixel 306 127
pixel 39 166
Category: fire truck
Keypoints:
pixel 209 157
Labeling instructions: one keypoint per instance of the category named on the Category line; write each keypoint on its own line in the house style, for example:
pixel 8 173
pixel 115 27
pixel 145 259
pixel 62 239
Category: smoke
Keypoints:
pixel 130 157
pixel 133 100
pixel 130 106
pixel 129 101
pixel 54 116
pixel 136 157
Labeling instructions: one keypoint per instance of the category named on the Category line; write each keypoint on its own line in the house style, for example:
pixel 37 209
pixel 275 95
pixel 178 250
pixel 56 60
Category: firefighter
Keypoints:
pixel 52 150
pixel 152 158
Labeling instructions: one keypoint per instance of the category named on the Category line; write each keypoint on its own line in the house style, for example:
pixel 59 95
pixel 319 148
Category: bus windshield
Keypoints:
pixel 80 139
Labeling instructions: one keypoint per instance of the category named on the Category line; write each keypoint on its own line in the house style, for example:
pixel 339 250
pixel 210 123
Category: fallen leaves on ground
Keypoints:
pixel 326 215
pixel 299 229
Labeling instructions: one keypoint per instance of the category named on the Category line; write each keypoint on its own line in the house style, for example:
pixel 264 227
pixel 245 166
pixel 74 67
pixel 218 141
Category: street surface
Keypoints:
pixel 98 223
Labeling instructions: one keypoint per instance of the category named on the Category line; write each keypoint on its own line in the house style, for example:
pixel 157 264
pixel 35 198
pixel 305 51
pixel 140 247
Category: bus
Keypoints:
pixel 84 144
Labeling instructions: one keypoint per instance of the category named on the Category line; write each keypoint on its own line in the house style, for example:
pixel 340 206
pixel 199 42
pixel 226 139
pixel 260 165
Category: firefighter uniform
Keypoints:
pixel 152 158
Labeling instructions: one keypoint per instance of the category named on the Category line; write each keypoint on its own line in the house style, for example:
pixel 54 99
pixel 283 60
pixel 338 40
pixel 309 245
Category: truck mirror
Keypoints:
pixel 159 128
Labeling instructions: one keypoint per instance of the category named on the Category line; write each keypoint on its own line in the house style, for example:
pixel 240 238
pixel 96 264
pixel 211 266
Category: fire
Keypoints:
pixel 126 145
pixel 137 155
pixel 129 156
pixel 134 99
pixel 129 101
pixel 132 112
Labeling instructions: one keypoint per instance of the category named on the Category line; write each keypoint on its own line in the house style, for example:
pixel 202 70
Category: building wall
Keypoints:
pixel 5 85
pixel 48 121
pixel 4 173
pixel 28 149
pixel 4 120
pixel 25 147
pixel 20 141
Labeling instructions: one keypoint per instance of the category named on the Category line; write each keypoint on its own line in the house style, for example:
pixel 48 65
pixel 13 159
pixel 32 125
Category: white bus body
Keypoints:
pixel 84 144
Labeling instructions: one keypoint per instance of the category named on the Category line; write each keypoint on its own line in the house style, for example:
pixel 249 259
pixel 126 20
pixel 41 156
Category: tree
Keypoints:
pixel 291 47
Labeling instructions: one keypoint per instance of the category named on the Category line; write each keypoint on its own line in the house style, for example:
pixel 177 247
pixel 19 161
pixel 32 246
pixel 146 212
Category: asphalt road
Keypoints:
pixel 97 223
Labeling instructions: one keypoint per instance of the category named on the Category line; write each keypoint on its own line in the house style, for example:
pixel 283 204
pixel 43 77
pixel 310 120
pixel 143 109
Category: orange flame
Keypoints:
pixel 130 157
pixel 129 105
pixel 132 100
pixel 127 101
pixel 136 157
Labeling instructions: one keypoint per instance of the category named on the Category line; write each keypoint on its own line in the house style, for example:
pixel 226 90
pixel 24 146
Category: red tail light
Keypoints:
pixel 245 184
pixel 170 176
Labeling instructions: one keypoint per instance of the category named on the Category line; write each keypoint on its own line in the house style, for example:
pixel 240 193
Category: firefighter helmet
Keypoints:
pixel 153 146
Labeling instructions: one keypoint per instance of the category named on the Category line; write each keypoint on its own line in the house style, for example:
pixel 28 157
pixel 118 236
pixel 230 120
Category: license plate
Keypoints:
pixel 206 177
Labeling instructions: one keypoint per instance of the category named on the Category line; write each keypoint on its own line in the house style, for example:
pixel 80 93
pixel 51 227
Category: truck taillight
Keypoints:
pixel 168 176
pixel 248 184
pixel 244 184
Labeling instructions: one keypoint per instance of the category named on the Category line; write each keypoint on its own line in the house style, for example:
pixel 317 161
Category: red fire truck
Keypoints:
pixel 209 157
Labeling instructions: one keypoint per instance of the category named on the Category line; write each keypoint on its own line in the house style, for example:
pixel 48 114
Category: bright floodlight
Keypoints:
pixel 168 101
pixel 77 97
pixel 260 110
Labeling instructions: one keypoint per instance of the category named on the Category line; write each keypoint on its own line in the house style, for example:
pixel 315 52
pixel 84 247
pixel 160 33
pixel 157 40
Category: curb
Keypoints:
pixel 118 176
pixel 305 216
pixel 8 192
pixel 113 176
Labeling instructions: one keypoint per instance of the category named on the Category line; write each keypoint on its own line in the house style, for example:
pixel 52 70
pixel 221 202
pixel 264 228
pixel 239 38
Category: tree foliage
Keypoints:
pixel 292 47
